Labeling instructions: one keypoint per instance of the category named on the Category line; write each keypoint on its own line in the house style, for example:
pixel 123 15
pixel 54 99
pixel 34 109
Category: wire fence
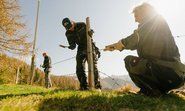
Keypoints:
pixel 177 36
pixel 114 81
pixel 100 72
pixel 74 74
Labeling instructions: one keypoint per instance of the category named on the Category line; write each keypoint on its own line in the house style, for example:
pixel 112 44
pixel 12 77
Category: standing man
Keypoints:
pixel 76 35
pixel 47 69
pixel 158 68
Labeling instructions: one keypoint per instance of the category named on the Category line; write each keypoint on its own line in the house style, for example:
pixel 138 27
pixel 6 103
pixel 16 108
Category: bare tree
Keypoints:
pixel 13 34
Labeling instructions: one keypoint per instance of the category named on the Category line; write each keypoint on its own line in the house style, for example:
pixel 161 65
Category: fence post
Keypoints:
pixel 90 56
pixel 18 76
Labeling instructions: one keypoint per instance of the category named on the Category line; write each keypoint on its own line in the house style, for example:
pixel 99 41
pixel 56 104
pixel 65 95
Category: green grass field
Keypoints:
pixel 35 98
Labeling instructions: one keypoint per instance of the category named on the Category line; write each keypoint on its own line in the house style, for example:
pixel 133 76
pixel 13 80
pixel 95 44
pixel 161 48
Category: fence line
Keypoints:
pixel 177 36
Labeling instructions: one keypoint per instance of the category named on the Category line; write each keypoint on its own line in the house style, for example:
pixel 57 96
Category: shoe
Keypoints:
pixel 98 90
pixel 98 86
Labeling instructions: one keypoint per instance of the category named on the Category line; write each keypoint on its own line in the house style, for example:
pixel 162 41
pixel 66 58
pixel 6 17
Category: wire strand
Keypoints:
pixel 179 36
pixel 72 58
pixel 109 77
pixel 64 60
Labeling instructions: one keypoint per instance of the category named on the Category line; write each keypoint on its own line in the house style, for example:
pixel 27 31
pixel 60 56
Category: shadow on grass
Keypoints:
pixel 127 102
pixel 27 94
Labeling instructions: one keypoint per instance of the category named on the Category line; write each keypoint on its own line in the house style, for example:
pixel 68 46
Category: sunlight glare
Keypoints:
pixel 167 8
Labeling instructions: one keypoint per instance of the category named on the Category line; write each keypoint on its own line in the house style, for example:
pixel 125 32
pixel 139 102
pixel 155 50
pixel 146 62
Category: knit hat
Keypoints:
pixel 66 23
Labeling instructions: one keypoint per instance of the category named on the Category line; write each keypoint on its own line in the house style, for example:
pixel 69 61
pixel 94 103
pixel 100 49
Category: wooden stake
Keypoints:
pixel 90 56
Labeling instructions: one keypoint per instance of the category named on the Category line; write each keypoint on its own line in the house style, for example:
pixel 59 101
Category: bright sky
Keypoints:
pixel 111 21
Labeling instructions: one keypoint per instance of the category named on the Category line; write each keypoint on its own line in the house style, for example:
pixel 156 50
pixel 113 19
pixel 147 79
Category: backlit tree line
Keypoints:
pixel 13 33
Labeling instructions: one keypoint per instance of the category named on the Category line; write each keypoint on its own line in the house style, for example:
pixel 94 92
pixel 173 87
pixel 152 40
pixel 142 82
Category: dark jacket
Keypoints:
pixel 47 62
pixel 77 37
pixel 153 39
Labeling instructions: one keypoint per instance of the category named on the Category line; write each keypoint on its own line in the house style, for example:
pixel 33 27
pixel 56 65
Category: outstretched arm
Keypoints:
pixel 116 46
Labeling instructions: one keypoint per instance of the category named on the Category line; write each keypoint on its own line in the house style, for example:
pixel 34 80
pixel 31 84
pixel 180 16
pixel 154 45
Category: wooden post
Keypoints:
pixel 32 72
pixel 18 76
pixel 90 56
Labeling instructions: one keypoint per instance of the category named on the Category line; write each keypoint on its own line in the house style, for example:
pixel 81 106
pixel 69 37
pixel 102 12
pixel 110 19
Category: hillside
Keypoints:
pixel 114 81
pixel 9 67
pixel 8 74
pixel 64 96
pixel 8 70
pixel 34 98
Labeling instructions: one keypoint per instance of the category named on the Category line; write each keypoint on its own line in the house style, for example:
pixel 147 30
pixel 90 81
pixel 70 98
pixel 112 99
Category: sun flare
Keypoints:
pixel 168 8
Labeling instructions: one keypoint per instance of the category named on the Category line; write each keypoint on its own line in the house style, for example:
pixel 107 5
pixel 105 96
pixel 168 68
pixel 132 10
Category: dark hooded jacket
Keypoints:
pixel 77 37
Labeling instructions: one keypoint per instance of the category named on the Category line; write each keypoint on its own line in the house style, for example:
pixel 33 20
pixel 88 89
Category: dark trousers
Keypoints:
pixel 150 76
pixel 81 58
pixel 48 83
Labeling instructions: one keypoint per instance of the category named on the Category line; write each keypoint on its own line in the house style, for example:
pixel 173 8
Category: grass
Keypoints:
pixel 35 98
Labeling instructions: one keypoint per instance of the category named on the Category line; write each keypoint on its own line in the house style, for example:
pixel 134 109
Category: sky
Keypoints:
pixel 111 20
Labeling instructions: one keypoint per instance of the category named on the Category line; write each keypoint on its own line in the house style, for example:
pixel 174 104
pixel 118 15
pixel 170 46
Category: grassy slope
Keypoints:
pixel 34 98
pixel 8 74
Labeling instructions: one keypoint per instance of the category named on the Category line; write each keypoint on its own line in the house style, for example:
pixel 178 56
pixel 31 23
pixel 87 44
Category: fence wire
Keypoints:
pixel 177 36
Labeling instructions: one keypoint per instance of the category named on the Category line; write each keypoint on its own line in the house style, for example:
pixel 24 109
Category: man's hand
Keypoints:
pixel 116 46
pixel 91 32
pixel 109 48
pixel 72 47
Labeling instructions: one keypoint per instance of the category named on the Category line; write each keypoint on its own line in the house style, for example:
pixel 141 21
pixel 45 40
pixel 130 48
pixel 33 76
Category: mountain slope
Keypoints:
pixel 113 82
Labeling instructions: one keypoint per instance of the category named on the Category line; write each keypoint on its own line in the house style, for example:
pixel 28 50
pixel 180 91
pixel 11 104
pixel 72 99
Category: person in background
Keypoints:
pixel 47 69
pixel 76 35
pixel 157 69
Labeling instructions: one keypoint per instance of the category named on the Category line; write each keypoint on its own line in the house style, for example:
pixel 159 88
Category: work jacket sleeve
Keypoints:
pixel 71 42
pixel 131 41
pixel 47 62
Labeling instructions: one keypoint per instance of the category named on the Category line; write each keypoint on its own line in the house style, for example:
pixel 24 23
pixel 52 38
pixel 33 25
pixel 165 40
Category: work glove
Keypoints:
pixel 72 47
pixel 116 46
pixel 91 32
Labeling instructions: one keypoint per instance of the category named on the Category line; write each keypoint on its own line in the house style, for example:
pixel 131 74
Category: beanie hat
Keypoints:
pixel 66 23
